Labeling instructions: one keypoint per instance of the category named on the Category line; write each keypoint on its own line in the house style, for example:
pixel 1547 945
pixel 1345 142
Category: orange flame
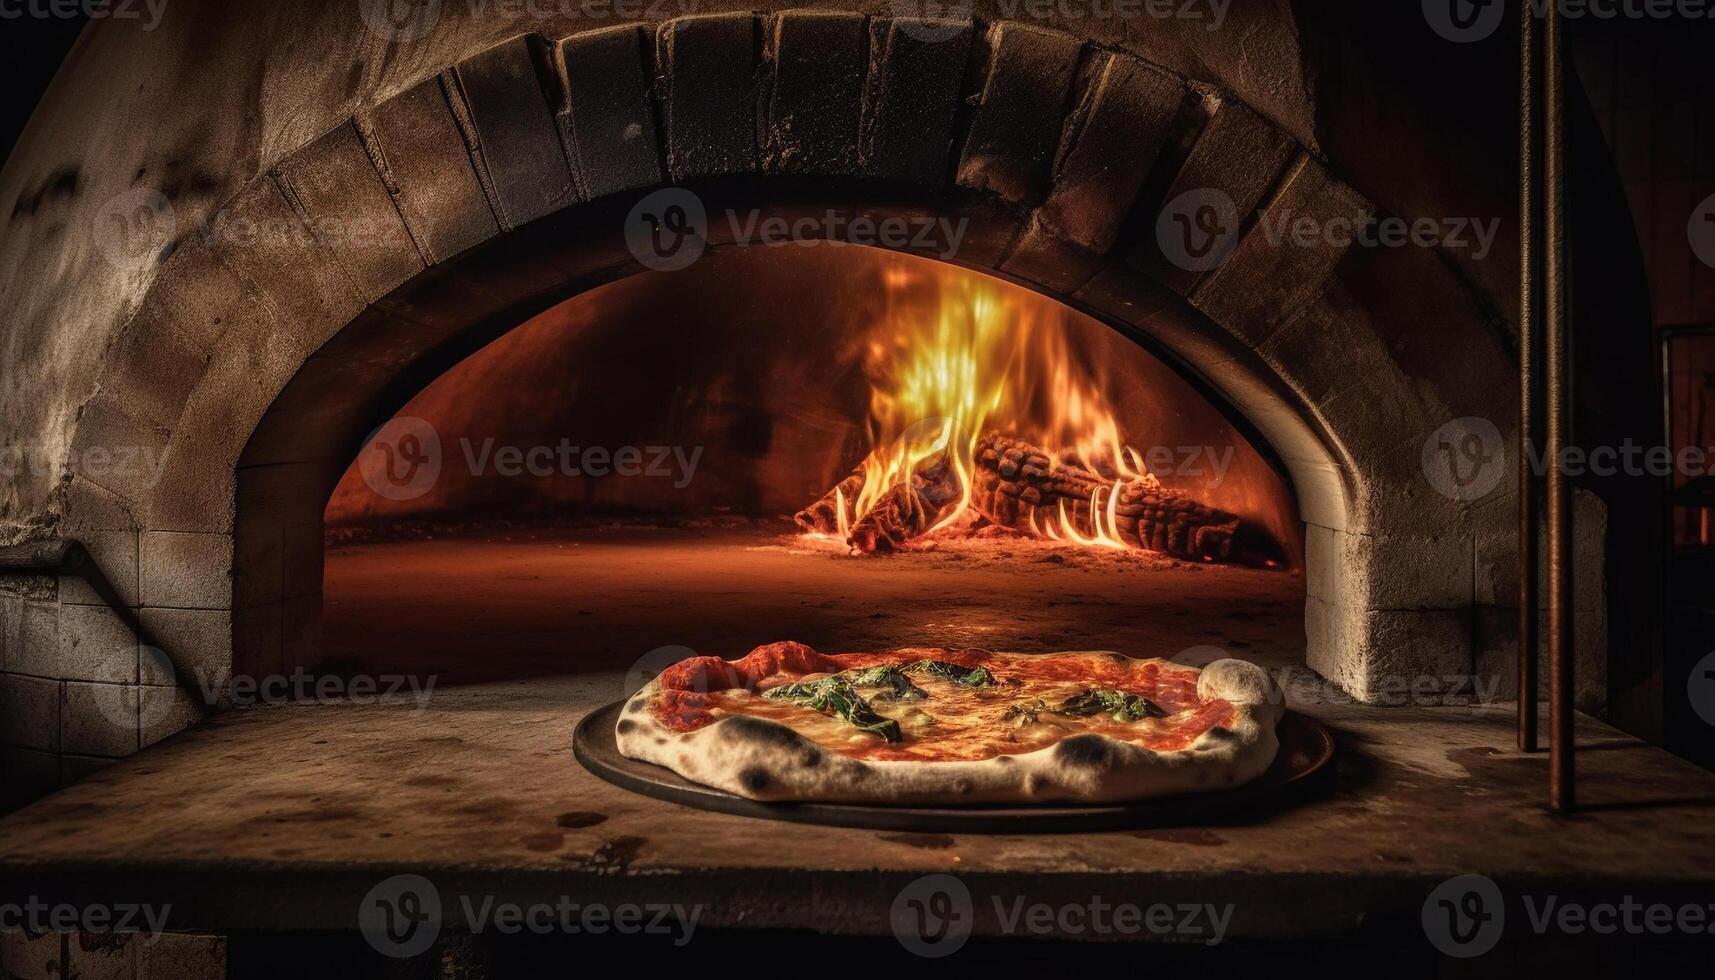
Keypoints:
pixel 956 356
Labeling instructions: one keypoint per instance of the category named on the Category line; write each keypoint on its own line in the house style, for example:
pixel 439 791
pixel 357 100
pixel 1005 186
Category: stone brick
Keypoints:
pixel 1264 282
pixel 99 719
pixel 29 713
pixel 187 570
pixel 262 238
pixel 94 645
pixel 1407 648
pixel 348 209
pixel 708 68
pixel 87 508
pixel 193 295
pixel 426 165
pixel 153 371
pixel 258 563
pixel 198 641
pixel 1016 125
pixel 517 134
pixel 1239 155
pixel 114 554
pixel 1129 120
pixel 164 712
pixel 115 451
pixel 11 629
pixel 301 633
pixel 608 123
pixel 176 956
pixel 26 776
pixel 102 956
pixel 816 101
pixel 38 637
pixel 908 131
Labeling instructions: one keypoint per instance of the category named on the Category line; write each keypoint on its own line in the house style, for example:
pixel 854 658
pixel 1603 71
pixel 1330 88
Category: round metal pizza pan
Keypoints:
pixel 1302 770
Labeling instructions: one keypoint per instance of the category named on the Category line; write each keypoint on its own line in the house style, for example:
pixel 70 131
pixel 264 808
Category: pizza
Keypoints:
pixel 933 726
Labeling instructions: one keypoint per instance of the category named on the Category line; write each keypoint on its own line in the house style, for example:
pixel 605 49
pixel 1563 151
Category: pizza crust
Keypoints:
pixel 760 759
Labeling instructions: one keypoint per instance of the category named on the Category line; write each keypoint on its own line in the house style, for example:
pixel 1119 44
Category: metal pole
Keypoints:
pixel 1529 385
pixel 1561 795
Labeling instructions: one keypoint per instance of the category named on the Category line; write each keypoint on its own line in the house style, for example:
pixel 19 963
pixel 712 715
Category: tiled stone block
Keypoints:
pixel 116 452
pixel 88 508
pixel 176 956
pixel 152 372
pixel 258 564
pixel 349 210
pixel 517 134
pixel 1016 125
pixel 262 238
pixel 193 296
pixel 256 642
pixel 816 102
pixel 24 956
pixel 1287 257
pixel 908 131
pixel 300 633
pixel 427 166
pixel 608 123
pixel 94 645
pixel 301 558
pixel 99 719
pixel 115 554
pixel 1420 655
pixel 198 641
pixel 708 68
pixel 187 570
pixel 165 711
pixel 1237 154
pixel 29 713
pixel 102 956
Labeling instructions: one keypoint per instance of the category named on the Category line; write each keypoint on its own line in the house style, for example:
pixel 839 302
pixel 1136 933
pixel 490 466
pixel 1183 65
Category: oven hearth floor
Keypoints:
pixel 285 816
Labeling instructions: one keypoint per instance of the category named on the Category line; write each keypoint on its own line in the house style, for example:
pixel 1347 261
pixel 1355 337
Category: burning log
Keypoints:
pixel 903 512
pixel 1018 486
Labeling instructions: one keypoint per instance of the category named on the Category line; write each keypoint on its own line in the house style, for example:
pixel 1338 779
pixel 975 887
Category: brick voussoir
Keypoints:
pixel 819 61
pixel 517 133
pixel 607 121
pixel 916 84
pixel 1016 127
pixel 707 77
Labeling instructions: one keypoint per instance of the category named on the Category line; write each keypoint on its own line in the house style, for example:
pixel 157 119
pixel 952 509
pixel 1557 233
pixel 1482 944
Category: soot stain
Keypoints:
pixel 1187 838
pixel 759 731
pixel 1089 751
pixel 617 853
pixel 543 843
pixel 579 818
pixel 754 778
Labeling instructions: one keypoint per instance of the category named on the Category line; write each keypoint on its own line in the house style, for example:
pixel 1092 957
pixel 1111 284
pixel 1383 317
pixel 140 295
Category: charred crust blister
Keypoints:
pixel 753 778
pixel 626 726
pixel 1086 751
pixel 759 731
